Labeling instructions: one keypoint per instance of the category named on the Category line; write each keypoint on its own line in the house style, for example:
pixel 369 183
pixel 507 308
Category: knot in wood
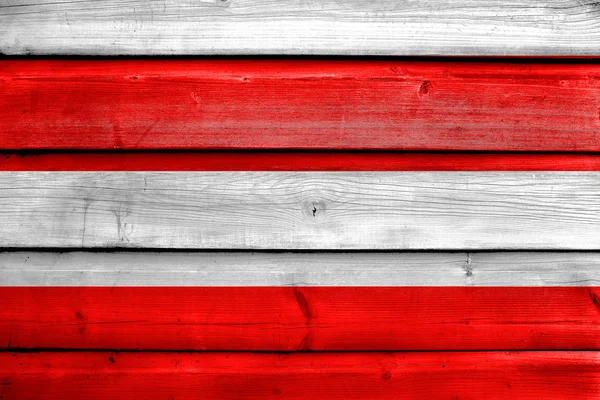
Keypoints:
pixel 313 208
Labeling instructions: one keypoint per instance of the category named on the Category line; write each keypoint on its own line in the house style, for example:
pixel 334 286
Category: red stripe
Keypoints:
pixel 306 318
pixel 297 161
pixel 226 104
pixel 497 375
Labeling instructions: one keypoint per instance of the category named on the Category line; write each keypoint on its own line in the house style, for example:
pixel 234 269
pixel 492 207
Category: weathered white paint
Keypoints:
pixel 342 27
pixel 301 210
pixel 299 269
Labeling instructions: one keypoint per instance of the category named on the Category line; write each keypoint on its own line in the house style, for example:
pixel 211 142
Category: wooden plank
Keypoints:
pixel 494 375
pixel 226 269
pixel 296 161
pixel 500 28
pixel 283 318
pixel 318 104
pixel 259 302
pixel 301 210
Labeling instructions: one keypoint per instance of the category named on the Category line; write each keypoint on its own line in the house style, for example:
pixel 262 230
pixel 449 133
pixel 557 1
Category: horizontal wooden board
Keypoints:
pixel 296 161
pixel 283 318
pixel 275 104
pixel 299 269
pixel 386 27
pixel 494 375
pixel 301 210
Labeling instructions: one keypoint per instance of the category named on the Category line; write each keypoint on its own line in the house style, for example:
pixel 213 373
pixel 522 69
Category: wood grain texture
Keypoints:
pixel 287 319
pixel 301 210
pixel 296 161
pixel 299 269
pixel 277 104
pixel 495 375
pixel 389 27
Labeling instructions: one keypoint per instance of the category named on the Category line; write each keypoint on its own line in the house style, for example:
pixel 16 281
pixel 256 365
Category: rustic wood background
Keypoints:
pixel 290 223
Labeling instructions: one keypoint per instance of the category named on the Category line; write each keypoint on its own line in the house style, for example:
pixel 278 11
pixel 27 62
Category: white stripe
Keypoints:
pixel 302 210
pixel 383 27
pixel 299 269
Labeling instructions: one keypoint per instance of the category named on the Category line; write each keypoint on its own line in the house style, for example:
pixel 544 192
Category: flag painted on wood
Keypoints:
pixel 299 206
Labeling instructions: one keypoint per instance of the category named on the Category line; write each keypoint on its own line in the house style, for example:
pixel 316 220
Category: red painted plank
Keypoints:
pixel 240 104
pixel 306 318
pixel 297 161
pixel 495 375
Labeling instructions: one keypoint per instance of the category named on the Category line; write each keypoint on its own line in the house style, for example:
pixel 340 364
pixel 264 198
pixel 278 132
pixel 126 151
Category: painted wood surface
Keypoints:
pixel 497 375
pixel 388 27
pixel 301 210
pixel 227 269
pixel 318 104
pixel 295 161
pixel 283 318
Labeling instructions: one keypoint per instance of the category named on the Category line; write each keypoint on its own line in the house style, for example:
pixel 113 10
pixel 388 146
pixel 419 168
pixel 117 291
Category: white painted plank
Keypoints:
pixel 301 210
pixel 340 27
pixel 299 269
